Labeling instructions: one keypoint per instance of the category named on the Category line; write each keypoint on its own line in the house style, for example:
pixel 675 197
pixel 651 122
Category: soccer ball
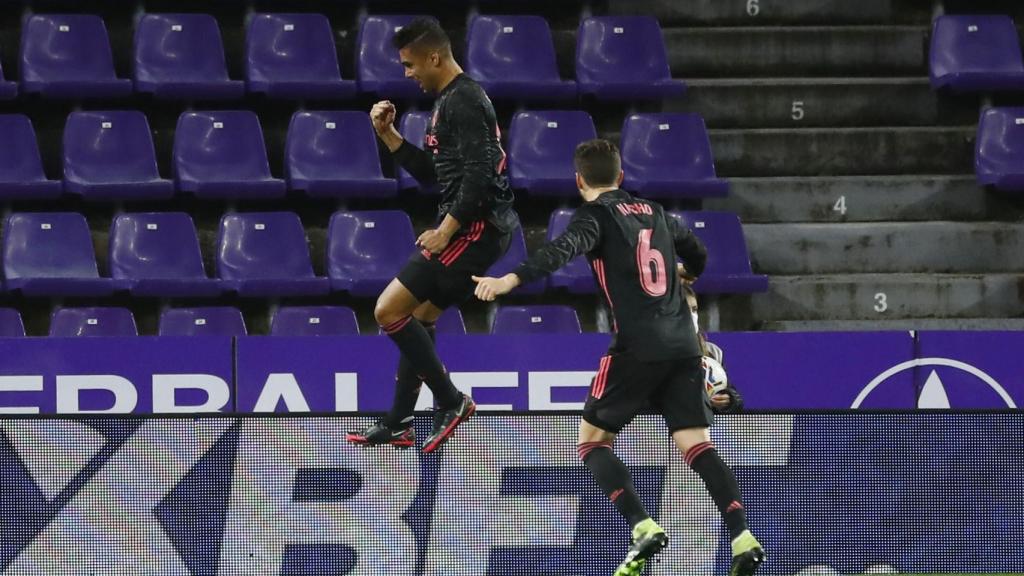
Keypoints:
pixel 715 378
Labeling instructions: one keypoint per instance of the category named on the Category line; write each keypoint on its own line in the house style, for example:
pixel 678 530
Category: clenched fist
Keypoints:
pixel 383 117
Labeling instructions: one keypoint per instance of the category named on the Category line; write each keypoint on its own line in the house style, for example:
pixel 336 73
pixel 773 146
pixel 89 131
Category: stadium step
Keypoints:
pixel 896 247
pixel 843 151
pixel 774 52
pixel 864 199
pixel 882 297
pixel 822 102
pixel 898 324
pixel 801 12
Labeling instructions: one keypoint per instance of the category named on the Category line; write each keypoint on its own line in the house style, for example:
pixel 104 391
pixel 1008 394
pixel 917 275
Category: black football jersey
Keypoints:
pixel 462 153
pixel 632 248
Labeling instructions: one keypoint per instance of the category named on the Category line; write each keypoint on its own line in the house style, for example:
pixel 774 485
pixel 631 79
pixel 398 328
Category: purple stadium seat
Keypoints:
pixel 513 257
pixel 314 321
pixel 728 267
pixel 8 89
pixel 669 156
pixel 975 54
pixel 69 56
pixel 10 323
pixel 999 150
pixel 203 321
pixel 104 321
pixel 576 276
pixel 367 249
pixel 21 166
pixel 293 56
pixel 378 68
pixel 513 57
pixel 158 254
pixel 541 147
pixel 181 56
pixel 624 58
pixel 451 322
pixel 51 254
pixel 413 127
pixel 536 320
pixel 266 254
pixel 335 154
pixel 110 156
pixel 222 155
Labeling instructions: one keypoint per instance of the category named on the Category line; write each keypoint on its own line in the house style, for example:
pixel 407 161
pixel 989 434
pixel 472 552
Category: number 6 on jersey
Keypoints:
pixel 651 264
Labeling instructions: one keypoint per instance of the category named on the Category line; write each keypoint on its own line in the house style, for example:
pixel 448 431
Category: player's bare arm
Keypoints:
pixel 488 289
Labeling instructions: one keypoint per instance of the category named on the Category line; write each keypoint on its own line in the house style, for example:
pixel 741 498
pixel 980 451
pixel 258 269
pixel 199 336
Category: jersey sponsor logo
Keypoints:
pixel 430 139
pixel 947 384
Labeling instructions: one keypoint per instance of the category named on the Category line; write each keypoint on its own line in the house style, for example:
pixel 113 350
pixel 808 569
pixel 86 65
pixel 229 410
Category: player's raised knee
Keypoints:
pixel 385 314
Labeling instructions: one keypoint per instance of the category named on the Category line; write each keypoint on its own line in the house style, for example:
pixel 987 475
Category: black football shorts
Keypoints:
pixel 625 386
pixel 445 279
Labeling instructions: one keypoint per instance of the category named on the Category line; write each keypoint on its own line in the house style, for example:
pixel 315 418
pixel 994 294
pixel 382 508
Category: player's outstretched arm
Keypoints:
pixel 487 288
pixel 581 235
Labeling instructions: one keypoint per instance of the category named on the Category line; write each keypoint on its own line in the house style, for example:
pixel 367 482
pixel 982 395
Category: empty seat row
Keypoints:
pixel 110 156
pixel 265 254
pixel 157 255
pixel 976 53
pixel 287 321
pixel 207 321
pixel 181 56
pixel 663 155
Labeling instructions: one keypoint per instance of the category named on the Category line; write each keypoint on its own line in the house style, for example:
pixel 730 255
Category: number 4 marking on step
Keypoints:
pixel 840 205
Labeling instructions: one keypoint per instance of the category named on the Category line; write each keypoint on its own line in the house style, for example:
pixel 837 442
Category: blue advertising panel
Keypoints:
pixel 357 373
pixel 847 493
pixel 791 370
pixel 773 371
pixel 116 375
pixel 970 369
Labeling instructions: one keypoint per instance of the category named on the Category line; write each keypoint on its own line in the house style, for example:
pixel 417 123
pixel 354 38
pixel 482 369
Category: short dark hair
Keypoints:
pixel 598 162
pixel 423 32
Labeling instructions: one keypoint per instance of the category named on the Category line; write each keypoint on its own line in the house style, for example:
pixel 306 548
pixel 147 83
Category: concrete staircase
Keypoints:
pixel 854 180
